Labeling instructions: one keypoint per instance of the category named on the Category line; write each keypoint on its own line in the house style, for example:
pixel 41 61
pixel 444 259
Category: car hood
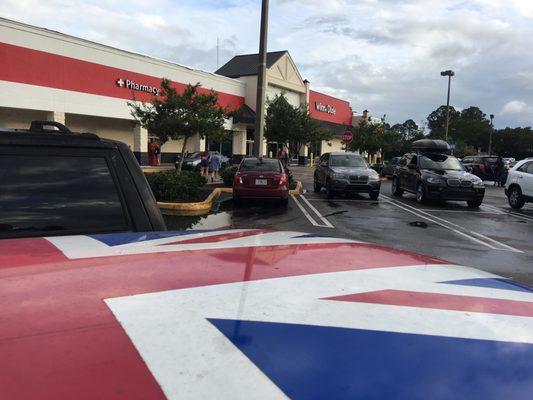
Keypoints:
pixel 462 175
pixel 354 170
pixel 254 313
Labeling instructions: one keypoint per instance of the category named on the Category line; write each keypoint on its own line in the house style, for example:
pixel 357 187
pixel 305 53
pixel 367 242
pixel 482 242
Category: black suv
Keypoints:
pixel 432 174
pixel 55 182
pixel 342 172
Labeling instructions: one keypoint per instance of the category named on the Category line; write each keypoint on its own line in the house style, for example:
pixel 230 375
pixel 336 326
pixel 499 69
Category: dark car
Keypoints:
pixel 55 182
pixel 481 166
pixel 388 169
pixel 342 172
pixel 434 175
pixel 191 162
pixel 261 178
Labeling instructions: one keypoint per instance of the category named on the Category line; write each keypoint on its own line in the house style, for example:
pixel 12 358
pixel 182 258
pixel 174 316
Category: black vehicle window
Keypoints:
pixel 414 160
pixel 347 160
pixel 440 162
pixel 523 167
pixel 395 160
pixel 530 168
pixel 467 160
pixel 42 194
pixel 261 165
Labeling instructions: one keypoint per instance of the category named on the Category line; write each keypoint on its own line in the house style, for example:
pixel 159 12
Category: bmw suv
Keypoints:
pixel 342 172
pixel 432 174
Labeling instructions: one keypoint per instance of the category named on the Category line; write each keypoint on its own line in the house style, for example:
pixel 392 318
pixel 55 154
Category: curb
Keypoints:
pixel 155 170
pixel 203 207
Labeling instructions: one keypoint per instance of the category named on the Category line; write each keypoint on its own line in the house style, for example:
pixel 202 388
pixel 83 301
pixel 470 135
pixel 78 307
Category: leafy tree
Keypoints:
pixel 437 122
pixel 513 142
pixel 367 136
pixel 285 123
pixel 175 116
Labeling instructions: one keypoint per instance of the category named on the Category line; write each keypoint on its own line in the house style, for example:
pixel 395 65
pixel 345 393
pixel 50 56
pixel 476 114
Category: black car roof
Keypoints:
pixel 25 137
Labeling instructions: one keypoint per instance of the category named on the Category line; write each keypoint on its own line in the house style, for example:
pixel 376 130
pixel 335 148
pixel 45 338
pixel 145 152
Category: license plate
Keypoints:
pixel 260 182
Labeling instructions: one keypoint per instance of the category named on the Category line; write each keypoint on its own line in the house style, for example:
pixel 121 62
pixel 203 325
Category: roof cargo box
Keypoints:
pixel 430 145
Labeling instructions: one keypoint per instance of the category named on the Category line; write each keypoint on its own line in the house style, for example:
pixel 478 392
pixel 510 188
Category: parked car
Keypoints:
pixel 388 169
pixel 519 184
pixel 55 182
pixel 254 313
pixel 481 166
pixel 432 174
pixel 261 178
pixel 344 172
pixel 191 162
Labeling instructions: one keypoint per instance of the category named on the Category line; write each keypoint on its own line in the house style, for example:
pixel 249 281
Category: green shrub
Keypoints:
pixel 175 186
pixel 228 175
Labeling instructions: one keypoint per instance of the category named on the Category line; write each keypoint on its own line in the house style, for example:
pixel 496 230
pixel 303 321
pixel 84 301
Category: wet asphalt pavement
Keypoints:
pixel 493 238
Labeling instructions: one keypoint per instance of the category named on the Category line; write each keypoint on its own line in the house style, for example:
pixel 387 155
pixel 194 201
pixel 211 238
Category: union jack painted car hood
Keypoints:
pixel 254 314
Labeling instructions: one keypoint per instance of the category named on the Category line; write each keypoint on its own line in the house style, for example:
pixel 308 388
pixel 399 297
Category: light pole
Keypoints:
pixel 490 135
pixel 449 73
pixel 261 82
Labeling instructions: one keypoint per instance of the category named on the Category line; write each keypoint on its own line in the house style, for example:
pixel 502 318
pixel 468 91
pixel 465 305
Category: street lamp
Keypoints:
pixel 449 73
pixel 490 135
pixel 261 82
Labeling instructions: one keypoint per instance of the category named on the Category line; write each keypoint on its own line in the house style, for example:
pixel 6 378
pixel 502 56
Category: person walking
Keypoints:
pixel 498 171
pixel 214 164
pixel 204 164
pixel 153 152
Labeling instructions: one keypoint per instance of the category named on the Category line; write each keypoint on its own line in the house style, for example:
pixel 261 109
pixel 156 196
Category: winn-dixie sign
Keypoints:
pixel 128 84
pixel 325 108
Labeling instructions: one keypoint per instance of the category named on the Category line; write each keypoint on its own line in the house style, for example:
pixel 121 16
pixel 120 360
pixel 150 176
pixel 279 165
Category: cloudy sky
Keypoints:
pixel 381 55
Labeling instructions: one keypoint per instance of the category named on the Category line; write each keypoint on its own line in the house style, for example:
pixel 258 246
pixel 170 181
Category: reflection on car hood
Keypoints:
pixel 255 314
pixel 352 170
pixel 462 175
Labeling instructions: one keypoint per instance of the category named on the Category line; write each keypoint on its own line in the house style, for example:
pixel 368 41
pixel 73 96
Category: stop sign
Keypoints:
pixel 347 137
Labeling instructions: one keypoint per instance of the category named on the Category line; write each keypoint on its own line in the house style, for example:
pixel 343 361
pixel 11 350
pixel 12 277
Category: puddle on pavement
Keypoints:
pixel 419 224
pixel 217 220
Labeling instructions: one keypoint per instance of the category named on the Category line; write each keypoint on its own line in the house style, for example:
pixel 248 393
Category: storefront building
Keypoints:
pixel 47 75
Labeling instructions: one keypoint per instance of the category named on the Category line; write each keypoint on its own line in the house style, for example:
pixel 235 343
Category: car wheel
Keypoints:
pixel 516 200
pixel 396 191
pixel 329 190
pixel 373 195
pixel 474 203
pixel 237 201
pixel 421 197
pixel 316 186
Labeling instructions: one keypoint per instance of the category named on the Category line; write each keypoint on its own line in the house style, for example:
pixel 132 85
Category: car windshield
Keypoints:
pixel 194 155
pixel 440 162
pixel 347 160
pixel 254 164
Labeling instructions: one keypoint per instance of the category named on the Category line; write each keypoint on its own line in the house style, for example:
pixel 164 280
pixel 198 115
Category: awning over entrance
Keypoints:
pixel 244 115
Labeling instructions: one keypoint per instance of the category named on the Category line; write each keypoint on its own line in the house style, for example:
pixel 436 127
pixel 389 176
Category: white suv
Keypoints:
pixel 519 184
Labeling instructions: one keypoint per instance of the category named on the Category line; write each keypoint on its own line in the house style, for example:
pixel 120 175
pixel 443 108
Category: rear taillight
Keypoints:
pixel 481 166
pixel 283 180
pixel 238 178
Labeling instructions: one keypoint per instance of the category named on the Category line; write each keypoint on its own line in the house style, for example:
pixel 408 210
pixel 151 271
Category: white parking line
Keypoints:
pixel 471 235
pixel 322 218
pixel 304 211
pixel 511 213
pixel 326 224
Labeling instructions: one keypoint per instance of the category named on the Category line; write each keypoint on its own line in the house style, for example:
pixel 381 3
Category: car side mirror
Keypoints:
pixel 411 166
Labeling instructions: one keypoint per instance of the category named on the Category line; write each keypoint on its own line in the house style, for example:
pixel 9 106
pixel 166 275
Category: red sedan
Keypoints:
pixel 261 178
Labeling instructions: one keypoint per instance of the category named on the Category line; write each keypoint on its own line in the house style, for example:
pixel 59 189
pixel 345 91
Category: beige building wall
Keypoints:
pixel 18 118
pixel 332 145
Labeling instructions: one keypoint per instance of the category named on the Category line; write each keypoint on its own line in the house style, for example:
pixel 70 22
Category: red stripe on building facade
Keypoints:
pixel 34 67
